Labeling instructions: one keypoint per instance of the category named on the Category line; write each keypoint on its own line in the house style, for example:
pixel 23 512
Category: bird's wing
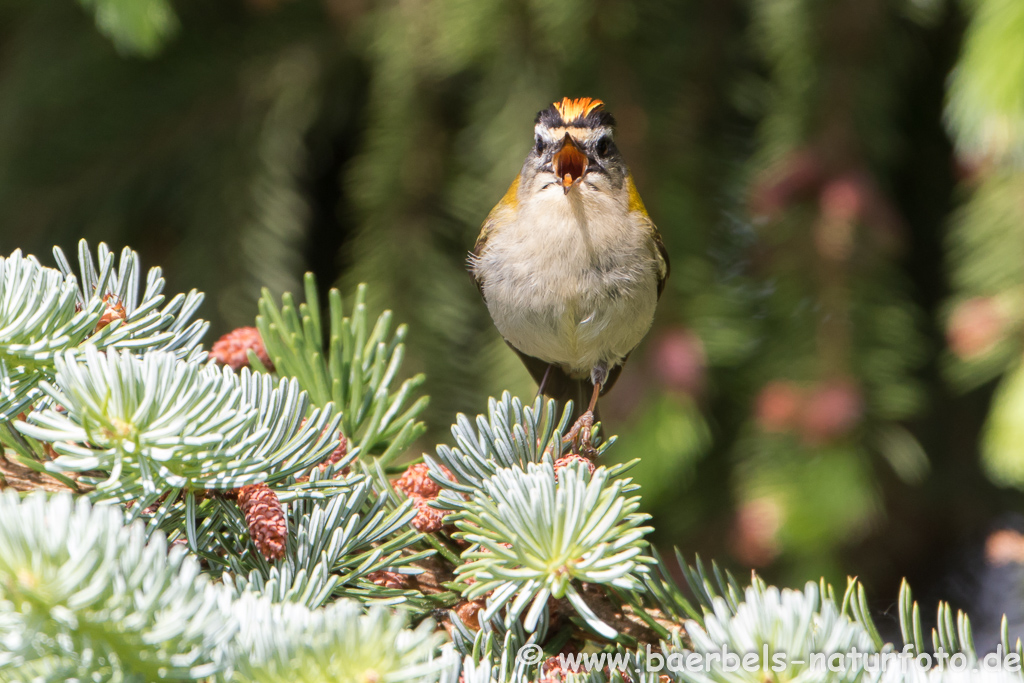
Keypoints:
pixel 637 208
pixel 502 211
pixel 664 265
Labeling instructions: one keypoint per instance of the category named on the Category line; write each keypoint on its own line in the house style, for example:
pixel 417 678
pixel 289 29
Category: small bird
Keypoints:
pixel 569 263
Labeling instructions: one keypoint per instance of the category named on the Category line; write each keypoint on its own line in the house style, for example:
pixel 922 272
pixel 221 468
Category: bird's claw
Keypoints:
pixel 580 435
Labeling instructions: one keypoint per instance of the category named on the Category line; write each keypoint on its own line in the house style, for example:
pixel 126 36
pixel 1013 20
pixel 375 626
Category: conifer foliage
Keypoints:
pixel 258 508
pixel 204 528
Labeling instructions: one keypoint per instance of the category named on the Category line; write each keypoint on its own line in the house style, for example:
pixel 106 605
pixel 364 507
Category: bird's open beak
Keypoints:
pixel 570 163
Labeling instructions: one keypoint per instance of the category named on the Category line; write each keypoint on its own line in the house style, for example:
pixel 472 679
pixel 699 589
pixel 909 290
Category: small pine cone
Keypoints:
pixel 232 348
pixel 468 612
pixel 551 670
pixel 388 579
pixel 572 459
pixel 340 452
pixel 114 311
pixel 415 482
pixel 265 517
pixel 427 519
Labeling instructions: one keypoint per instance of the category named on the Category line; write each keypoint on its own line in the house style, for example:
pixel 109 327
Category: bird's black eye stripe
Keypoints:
pixel 540 145
pixel 603 146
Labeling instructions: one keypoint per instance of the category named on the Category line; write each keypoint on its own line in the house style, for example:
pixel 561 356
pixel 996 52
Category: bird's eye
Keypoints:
pixel 602 147
pixel 540 145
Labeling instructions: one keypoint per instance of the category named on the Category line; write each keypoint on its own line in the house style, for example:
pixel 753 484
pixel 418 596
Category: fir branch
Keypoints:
pixel 150 322
pixel 785 622
pixel 509 436
pixel 38 318
pixel 354 371
pixel 84 597
pixel 163 423
pixel 289 642
pixel 535 538
pixel 332 546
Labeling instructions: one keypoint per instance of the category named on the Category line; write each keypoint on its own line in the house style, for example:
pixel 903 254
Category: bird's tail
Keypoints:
pixel 578 391
pixel 562 388
pixel 555 383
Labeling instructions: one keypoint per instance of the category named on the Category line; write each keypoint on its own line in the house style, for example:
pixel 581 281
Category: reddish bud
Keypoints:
pixel 795 177
pixel 973 169
pixel 1004 547
pixel 778 406
pixel 336 455
pixel 552 671
pixel 755 532
pixel 841 204
pixel 975 327
pixel 572 459
pixel 678 360
pixel 831 411
pixel 114 311
pixel 843 199
pixel 416 481
pixel 387 579
pixel 232 349
pixel 265 518
pixel 468 612
pixel 428 519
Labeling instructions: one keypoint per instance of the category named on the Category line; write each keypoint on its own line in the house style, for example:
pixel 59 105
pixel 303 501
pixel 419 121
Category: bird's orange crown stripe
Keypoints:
pixel 572 110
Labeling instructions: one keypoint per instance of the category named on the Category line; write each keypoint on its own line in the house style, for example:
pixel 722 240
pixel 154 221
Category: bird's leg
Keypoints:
pixel 543 381
pixel 583 424
pixel 540 389
pixel 593 397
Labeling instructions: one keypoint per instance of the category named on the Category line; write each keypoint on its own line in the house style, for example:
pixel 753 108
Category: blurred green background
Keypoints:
pixel 833 384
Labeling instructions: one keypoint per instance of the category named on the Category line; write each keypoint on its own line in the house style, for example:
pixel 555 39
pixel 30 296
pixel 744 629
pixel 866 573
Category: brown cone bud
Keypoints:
pixel 232 348
pixel 428 519
pixel 416 481
pixel 114 311
pixel 551 670
pixel 265 518
pixel 572 459
pixel 388 579
pixel 337 454
pixel 468 612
